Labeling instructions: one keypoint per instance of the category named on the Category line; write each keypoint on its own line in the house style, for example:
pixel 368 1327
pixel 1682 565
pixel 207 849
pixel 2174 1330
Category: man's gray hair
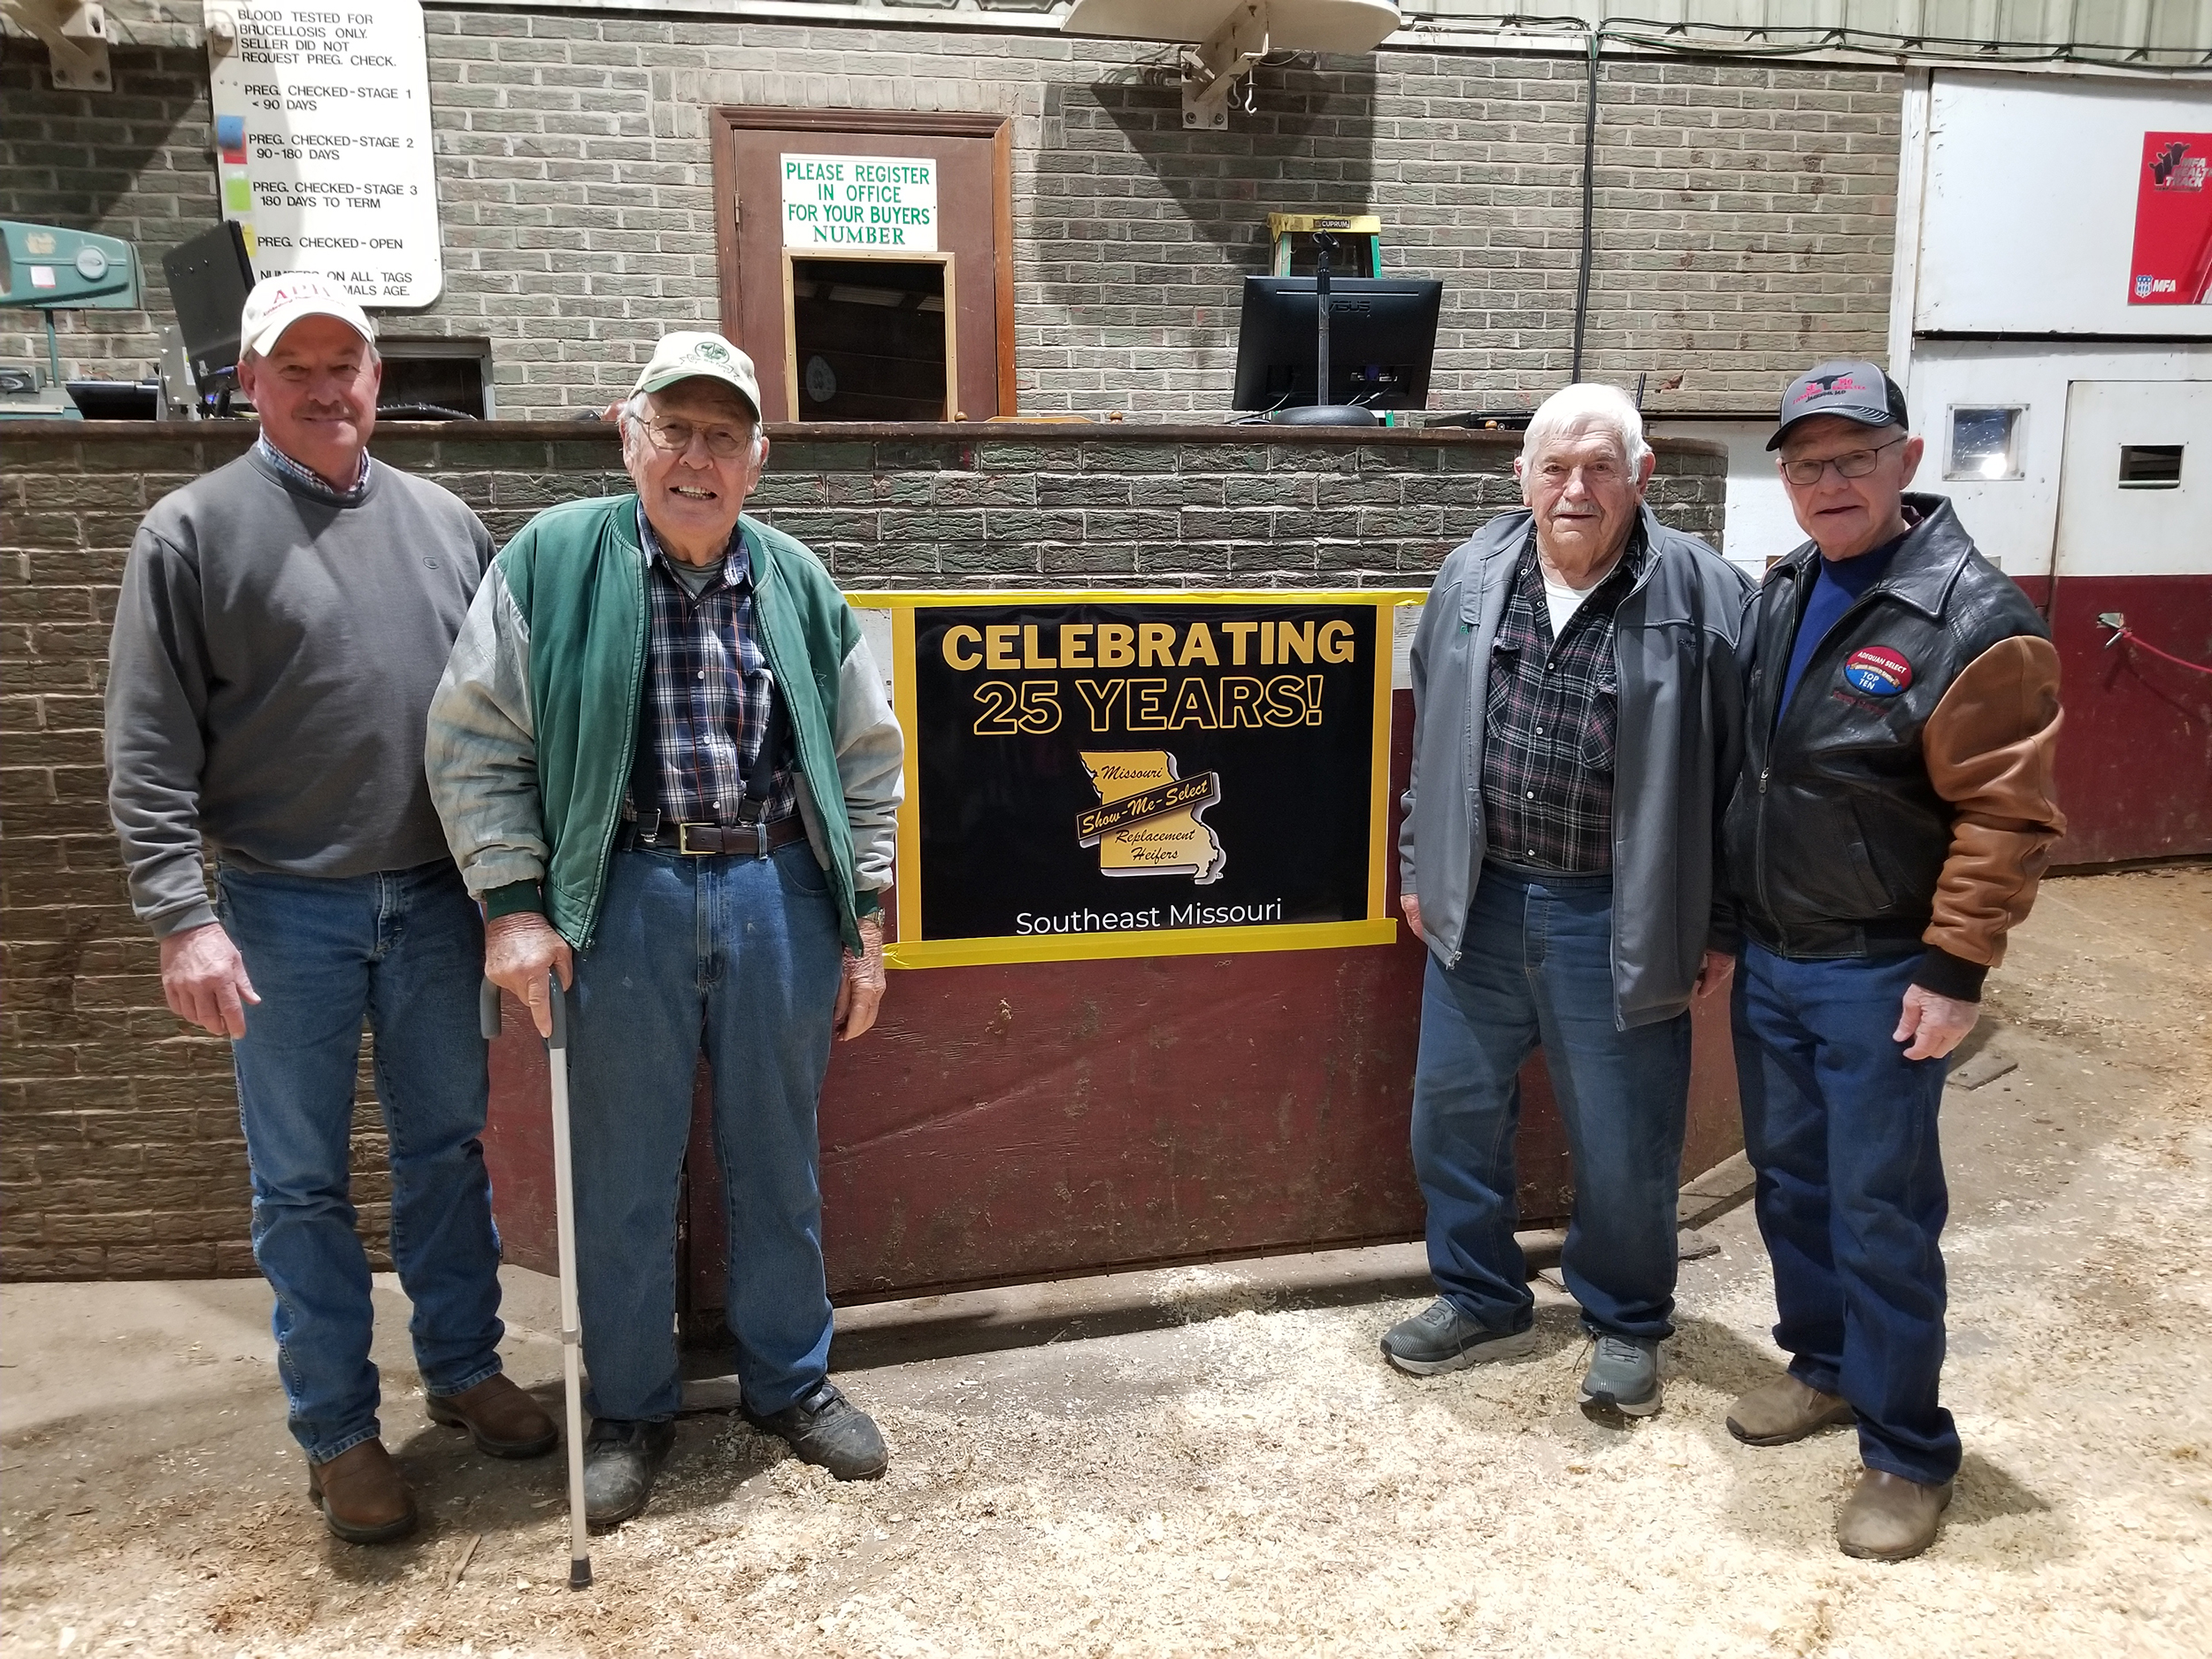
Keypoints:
pixel 1587 404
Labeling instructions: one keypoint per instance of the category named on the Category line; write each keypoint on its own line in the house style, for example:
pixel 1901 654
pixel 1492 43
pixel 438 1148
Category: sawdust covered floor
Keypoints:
pixel 1240 1474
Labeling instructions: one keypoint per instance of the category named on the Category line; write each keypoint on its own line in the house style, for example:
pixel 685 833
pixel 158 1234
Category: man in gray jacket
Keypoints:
pixel 283 624
pixel 1576 721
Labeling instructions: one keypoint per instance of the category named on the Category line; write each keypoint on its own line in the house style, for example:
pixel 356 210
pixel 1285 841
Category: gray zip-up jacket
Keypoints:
pixel 1680 742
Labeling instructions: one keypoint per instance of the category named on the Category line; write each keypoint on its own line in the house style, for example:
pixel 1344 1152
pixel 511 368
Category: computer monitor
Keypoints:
pixel 116 400
pixel 1382 334
pixel 210 277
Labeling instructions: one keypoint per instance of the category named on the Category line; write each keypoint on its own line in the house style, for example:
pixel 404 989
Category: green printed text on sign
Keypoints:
pixel 886 203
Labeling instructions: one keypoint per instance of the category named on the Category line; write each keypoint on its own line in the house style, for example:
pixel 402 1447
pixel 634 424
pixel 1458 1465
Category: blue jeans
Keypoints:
pixel 1841 1129
pixel 404 949
pixel 1536 966
pixel 742 954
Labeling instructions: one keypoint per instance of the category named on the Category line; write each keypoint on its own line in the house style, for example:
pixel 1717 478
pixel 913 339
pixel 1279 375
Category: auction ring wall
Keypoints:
pixel 1002 1122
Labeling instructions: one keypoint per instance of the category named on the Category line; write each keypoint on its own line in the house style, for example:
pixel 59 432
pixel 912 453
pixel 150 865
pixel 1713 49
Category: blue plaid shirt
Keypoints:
pixel 707 687
pixel 308 479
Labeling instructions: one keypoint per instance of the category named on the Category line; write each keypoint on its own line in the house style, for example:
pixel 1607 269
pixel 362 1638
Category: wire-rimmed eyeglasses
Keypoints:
pixel 724 443
pixel 1850 464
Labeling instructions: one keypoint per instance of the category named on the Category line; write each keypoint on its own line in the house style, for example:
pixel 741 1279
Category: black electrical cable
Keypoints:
pixel 1589 200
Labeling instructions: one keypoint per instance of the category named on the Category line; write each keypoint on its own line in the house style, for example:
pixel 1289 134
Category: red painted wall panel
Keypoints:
pixel 1024 1121
pixel 2135 756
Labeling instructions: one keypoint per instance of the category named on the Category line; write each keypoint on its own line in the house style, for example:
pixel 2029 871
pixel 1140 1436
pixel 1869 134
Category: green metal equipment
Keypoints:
pixel 49 268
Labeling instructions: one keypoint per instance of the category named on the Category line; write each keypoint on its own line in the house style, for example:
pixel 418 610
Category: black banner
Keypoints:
pixel 1142 766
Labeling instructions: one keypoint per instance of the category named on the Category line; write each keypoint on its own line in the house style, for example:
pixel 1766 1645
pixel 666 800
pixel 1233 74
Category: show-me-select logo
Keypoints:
pixel 1146 822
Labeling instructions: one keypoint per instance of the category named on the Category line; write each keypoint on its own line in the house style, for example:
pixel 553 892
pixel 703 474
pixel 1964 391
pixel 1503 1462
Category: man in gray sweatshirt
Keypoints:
pixel 283 624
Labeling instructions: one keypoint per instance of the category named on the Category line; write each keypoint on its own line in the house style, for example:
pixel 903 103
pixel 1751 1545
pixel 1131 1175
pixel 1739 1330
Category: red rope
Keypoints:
pixel 2137 640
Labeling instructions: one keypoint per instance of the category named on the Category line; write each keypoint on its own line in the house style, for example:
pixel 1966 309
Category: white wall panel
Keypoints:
pixel 2014 520
pixel 2028 212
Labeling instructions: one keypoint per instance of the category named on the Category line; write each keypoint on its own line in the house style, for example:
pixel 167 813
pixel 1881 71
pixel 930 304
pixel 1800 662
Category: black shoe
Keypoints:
pixel 1440 1338
pixel 619 1459
pixel 828 1430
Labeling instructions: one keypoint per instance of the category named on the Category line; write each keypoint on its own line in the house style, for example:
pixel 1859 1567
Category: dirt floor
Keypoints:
pixel 1216 1460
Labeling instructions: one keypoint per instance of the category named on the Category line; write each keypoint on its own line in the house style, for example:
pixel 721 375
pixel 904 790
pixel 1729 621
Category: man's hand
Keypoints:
pixel 1935 1024
pixel 205 979
pixel 519 950
pixel 1712 973
pixel 1411 905
pixel 860 993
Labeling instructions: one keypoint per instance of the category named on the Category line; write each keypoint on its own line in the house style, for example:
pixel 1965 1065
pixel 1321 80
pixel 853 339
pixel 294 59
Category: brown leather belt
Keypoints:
pixel 707 841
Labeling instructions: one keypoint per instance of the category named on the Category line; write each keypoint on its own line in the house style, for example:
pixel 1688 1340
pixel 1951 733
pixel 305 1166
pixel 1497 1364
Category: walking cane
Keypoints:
pixel 564 1227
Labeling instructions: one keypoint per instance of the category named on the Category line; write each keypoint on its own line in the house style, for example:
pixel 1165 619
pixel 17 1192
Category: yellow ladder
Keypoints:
pixel 1355 227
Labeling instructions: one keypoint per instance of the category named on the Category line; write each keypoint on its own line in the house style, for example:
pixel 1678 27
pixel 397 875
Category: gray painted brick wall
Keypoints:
pixel 119 1149
pixel 1743 222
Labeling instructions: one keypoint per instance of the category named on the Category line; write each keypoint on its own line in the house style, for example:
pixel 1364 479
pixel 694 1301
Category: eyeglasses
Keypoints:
pixel 724 443
pixel 1850 464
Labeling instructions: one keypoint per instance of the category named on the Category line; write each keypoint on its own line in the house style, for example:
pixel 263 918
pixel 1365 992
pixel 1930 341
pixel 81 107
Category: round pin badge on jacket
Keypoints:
pixel 1878 671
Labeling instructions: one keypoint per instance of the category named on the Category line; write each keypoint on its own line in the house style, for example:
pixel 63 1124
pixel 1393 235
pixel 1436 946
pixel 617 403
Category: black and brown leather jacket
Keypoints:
pixel 1904 798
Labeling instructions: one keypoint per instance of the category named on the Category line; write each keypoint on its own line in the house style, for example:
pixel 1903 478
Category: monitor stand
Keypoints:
pixel 1323 414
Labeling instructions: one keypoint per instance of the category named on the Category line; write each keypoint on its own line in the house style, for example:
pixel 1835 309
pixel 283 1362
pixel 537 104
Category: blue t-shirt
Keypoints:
pixel 1840 581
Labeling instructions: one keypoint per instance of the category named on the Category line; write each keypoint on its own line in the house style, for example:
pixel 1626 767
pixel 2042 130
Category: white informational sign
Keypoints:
pixel 322 142
pixel 859 201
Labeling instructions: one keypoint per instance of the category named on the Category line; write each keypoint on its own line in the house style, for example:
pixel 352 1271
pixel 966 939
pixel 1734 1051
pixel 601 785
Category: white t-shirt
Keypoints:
pixel 1563 601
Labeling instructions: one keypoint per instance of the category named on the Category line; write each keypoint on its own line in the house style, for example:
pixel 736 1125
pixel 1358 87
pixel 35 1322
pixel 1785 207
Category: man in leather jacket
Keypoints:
pixel 1894 815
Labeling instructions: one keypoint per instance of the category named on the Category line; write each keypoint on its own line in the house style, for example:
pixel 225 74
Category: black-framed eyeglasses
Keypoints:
pixel 724 443
pixel 1850 464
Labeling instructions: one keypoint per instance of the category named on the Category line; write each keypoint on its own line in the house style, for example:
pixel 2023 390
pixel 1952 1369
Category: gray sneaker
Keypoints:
pixel 1624 1375
pixel 1440 1338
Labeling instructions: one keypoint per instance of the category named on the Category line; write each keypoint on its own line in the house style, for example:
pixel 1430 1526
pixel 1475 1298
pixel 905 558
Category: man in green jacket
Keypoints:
pixel 665 763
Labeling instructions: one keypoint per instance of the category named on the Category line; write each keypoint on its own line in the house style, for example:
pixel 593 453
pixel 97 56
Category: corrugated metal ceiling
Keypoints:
pixel 2164 30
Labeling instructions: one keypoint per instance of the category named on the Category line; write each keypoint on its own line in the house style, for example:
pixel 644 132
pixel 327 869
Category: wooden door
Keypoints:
pixel 973 161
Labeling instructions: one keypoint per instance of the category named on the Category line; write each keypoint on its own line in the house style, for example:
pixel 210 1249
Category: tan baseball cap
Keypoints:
pixel 692 354
pixel 278 301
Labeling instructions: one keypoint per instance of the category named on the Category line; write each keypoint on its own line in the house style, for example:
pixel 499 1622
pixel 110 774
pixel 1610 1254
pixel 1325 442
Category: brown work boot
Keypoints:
pixel 1888 1517
pixel 361 1495
pixel 501 1418
pixel 1784 1411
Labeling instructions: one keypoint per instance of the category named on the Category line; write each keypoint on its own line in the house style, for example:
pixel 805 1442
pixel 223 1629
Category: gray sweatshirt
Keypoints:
pixel 270 675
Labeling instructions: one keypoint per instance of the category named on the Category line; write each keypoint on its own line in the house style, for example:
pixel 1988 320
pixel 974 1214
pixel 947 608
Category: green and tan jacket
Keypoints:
pixel 534 724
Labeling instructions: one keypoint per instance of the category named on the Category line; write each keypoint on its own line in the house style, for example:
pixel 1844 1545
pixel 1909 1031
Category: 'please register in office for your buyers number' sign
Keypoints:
pixel 1130 774
pixel 322 144
pixel 865 202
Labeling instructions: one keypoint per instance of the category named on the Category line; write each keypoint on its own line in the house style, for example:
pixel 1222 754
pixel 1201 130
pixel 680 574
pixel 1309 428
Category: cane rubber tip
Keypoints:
pixel 580 1574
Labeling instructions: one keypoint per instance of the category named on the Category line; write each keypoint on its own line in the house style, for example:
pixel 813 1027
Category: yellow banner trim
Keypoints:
pixel 1378 929
pixel 910 598
pixel 1176 942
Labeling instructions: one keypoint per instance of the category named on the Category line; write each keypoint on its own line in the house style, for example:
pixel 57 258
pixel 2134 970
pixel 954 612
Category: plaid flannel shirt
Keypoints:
pixel 707 688
pixel 308 479
pixel 1550 724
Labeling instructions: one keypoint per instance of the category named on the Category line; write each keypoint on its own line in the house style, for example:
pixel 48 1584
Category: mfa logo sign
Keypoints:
pixel 2172 262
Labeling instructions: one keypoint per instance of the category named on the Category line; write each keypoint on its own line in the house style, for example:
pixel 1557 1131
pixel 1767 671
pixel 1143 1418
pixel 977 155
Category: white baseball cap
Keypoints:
pixel 688 354
pixel 278 301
